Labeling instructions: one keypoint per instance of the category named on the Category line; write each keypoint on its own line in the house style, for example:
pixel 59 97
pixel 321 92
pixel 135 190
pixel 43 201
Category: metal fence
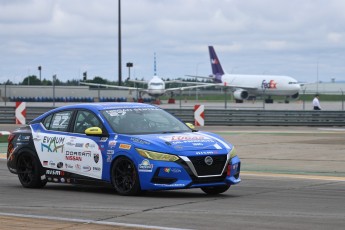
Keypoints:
pixel 226 117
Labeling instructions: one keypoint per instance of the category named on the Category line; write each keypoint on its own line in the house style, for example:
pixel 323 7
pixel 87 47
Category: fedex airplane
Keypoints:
pixel 244 86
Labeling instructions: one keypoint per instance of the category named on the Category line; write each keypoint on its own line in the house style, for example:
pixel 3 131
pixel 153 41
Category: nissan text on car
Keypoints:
pixel 132 146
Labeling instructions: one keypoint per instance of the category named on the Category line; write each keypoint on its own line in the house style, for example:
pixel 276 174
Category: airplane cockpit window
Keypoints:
pixel 156 83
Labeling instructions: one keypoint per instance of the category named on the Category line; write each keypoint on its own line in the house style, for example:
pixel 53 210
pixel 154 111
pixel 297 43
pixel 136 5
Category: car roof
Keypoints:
pixel 99 106
pixel 107 105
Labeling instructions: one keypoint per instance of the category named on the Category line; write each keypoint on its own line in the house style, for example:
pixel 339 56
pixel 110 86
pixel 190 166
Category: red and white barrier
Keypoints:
pixel 20 113
pixel 199 117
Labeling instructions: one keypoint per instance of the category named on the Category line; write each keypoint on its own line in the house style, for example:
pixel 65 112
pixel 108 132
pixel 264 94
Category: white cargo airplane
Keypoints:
pixel 244 86
pixel 155 86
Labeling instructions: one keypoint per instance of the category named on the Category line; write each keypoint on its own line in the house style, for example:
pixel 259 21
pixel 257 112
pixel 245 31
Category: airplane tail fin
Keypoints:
pixel 215 64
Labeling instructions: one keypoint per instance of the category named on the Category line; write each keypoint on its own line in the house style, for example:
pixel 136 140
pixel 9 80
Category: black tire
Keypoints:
pixel 215 190
pixel 125 178
pixel 28 168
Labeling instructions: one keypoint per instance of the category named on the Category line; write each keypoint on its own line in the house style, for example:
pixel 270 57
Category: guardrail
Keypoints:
pixel 224 116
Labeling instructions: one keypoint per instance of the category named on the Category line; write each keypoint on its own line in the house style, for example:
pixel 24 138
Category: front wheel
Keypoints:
pixel 29 171
pixel 125 177
pixel 215 190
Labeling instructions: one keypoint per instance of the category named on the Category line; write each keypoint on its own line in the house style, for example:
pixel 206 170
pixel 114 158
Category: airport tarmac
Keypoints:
pixel 292 178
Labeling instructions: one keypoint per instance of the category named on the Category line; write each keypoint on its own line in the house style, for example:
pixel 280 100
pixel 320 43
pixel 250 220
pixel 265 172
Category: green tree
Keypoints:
pixel 31 80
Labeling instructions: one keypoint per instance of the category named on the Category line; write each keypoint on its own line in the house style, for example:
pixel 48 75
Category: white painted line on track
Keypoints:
pixel 90 221
pixel 294 176
pixel 332 129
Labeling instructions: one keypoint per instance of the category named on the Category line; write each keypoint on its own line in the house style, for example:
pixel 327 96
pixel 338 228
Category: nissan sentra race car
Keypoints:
pixel 135 147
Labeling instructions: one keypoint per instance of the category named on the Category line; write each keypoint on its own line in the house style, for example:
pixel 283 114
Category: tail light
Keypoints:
pixel 11 137
pixel 10 146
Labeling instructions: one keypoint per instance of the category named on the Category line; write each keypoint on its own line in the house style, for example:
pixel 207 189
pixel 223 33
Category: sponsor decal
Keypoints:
pixel 62 180
pixel 110 152
pixel 268 85
pixel 87 168
pixel 78 166
pixel 125 146
pixel 51 163
pixel 52 144
pixel 109 158
pixel 76 155
pixel 59 165
pixel 87 145
pixel 96 157
pixel 145 166
pixel 55 179
pixel 178 147
pixel 70 144
pixel 139 141
pixel 68 166
pixel 104 139
pixel 112 144
pixel 74 158
pixel 55 172
pixel 24 138
pixel 45 163
pixel 78 145
pixel 116 112
pixel 206 152
pixel 170 185
pixel 96 169
pixel 172 170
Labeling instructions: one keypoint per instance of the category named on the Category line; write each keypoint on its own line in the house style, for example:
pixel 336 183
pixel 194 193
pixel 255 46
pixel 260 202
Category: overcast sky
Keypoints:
pixel 302 39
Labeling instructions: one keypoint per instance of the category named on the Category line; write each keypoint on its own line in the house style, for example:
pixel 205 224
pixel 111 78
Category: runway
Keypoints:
pixel 292 178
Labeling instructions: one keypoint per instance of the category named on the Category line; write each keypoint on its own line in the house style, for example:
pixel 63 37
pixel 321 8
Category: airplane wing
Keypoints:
pixel 204 85
pixel 138 81
pixel 109 86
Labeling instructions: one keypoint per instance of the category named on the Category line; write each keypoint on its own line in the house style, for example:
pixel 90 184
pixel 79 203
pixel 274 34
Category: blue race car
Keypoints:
pixel 135 147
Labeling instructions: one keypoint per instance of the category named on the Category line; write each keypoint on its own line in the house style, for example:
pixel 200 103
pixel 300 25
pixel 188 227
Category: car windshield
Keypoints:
pixel 143 121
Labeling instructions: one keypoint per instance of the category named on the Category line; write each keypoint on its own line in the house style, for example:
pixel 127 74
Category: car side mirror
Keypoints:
pixel 94 131
pixel 190 125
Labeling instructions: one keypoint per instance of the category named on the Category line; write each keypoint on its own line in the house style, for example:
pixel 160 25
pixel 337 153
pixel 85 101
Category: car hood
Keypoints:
pixel 199 143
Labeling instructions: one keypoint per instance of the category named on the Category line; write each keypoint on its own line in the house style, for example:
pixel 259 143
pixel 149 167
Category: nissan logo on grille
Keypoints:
pixel 208 160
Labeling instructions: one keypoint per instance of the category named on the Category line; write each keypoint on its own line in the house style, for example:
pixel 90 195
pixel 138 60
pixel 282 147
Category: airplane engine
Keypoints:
pixel 295 96
pixel 241 94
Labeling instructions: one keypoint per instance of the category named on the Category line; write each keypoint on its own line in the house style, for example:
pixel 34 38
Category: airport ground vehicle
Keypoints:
pixel 135 147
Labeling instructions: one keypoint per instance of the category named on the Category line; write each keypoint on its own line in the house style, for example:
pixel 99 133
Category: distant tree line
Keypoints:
pixel 34 80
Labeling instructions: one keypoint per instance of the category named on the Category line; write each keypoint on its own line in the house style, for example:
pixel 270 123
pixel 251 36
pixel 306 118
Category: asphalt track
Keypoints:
pixel 292 178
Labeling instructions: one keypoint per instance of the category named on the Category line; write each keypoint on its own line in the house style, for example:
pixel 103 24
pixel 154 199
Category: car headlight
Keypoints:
pixel 157 156
pixel 233 152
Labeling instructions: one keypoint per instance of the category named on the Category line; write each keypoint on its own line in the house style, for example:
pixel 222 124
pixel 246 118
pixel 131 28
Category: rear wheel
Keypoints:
pixel 215 190
pixel 29 171
pixel 125 177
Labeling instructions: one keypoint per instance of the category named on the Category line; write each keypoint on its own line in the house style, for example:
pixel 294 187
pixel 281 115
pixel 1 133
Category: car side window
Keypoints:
pixel 60 121
pixel 85 119
pixel 46 122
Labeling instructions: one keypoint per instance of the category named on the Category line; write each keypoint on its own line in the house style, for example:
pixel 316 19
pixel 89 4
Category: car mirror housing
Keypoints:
pixel 190 125
pixel 94 131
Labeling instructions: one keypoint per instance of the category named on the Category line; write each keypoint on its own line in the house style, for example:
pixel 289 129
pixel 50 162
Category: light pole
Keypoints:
pixel 196 79
pixel 120 72
pixel 40 70
pixel 129 65
pixel 54 78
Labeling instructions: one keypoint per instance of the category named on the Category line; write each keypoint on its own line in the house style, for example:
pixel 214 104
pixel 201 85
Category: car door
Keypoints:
pixel 63 145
